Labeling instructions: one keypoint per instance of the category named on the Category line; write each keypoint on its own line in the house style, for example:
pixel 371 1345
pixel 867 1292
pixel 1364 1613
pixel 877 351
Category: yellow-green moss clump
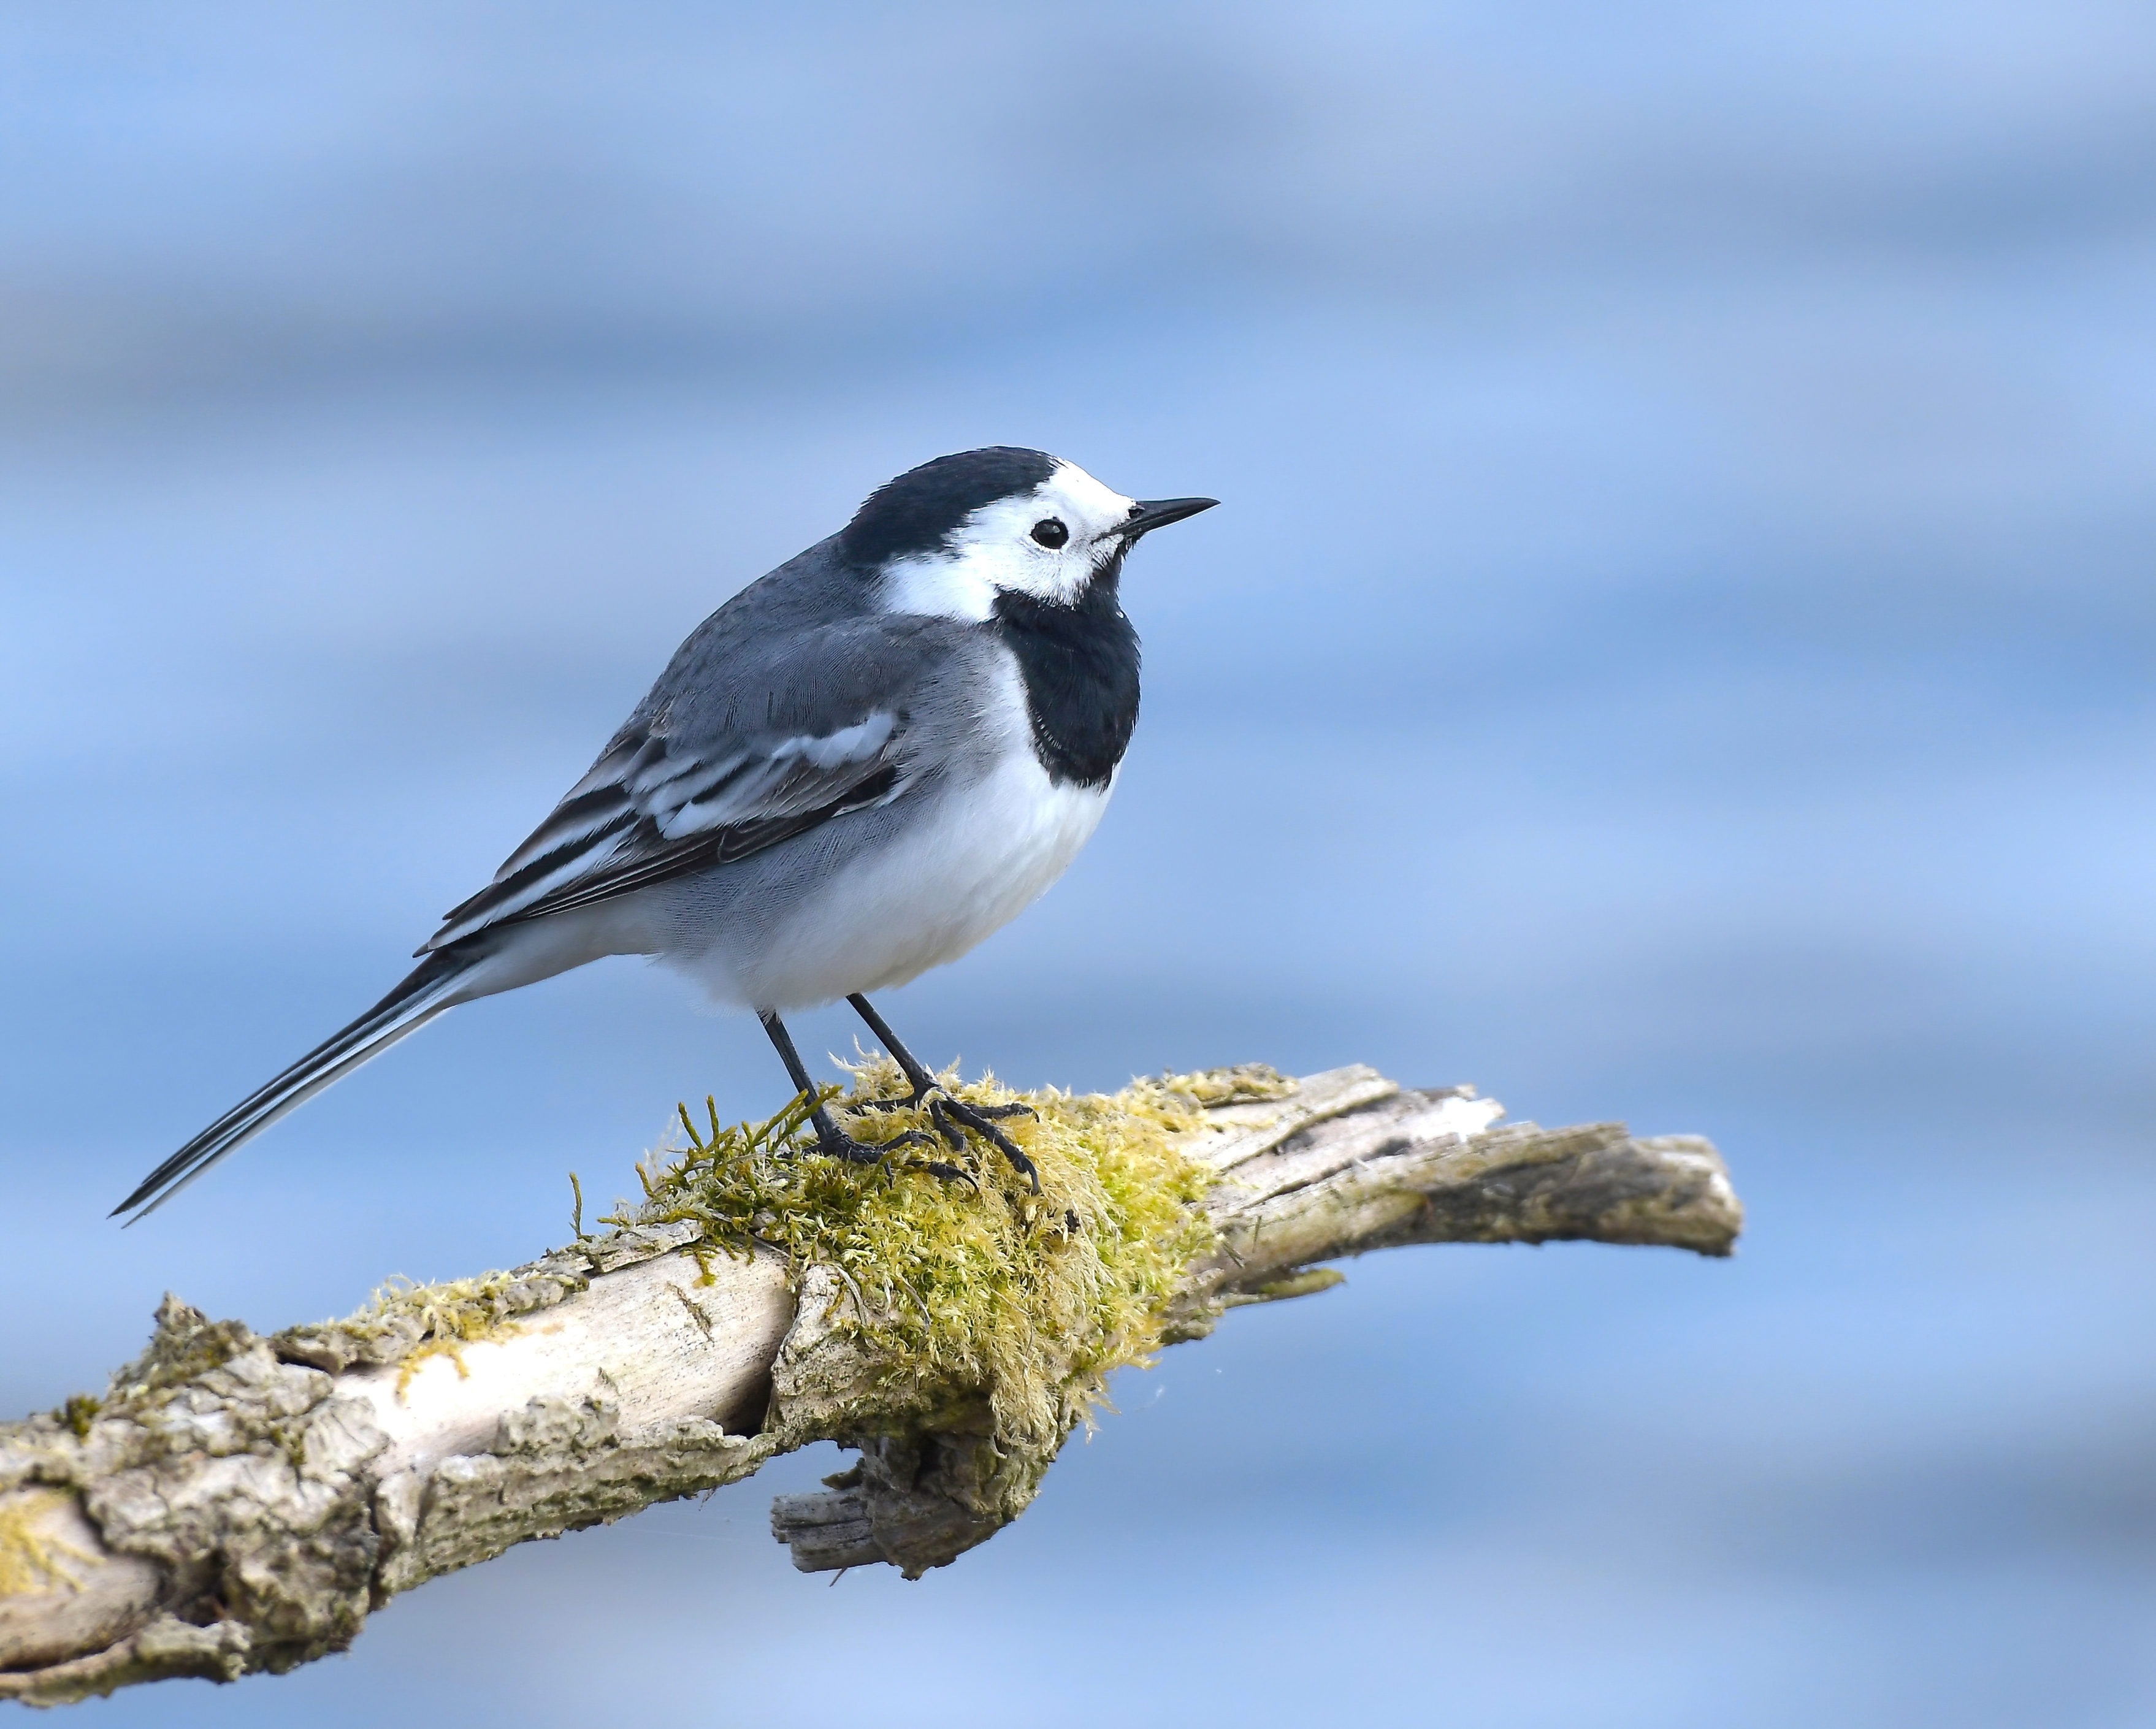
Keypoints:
pixel 1029 1300
pixel 977 1288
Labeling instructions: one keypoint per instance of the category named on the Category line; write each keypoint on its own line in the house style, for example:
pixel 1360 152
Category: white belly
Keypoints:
pixel 985 855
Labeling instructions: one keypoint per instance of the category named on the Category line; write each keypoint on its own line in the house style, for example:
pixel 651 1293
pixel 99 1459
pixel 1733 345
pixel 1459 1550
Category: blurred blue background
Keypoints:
pixel 1676 646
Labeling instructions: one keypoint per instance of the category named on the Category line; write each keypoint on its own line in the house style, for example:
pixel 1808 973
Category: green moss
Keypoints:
pixel 435 1320
pixel 1030 1301
pixel 1182 1097
pixel 185 1345
pixel 77 1413
pixel 407 1322
pixel 959 1291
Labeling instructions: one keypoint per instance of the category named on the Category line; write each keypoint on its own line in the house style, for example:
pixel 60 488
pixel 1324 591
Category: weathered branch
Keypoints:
pixel 238 1503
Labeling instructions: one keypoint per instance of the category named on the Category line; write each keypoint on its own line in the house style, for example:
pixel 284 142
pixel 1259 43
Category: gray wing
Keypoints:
pixel 737 748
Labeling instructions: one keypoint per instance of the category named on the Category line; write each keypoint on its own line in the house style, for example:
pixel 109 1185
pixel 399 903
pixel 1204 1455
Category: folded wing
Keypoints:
pixel 657 805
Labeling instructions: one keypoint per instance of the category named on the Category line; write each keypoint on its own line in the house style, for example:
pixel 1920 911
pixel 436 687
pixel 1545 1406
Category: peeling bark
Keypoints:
pixel 238 1503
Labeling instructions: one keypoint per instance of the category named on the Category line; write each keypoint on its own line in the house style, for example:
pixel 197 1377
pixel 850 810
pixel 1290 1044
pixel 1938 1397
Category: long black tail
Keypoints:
pixel 414 1002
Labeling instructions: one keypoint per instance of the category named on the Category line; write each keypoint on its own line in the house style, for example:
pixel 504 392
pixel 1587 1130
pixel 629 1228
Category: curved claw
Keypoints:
pixel 949 1173
pixel 950 1118
pixel 944 1109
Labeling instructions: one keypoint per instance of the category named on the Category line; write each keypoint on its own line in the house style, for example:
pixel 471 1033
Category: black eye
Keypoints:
pixel 1050 531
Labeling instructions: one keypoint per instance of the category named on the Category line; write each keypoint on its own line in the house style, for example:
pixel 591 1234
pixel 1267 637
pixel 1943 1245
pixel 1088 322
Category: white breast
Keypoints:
pixel 967 867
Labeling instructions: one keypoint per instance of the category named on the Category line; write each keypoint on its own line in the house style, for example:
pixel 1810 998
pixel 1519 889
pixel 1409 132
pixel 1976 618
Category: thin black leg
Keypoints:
pixel 917 1072
pixel 831 1140
pixel 951 1116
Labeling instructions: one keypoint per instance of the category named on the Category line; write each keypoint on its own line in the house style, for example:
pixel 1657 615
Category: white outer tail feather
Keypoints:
pixel 417 1000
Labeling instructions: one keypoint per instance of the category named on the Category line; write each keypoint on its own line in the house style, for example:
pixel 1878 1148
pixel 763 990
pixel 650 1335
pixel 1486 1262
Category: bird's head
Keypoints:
pixel 947 537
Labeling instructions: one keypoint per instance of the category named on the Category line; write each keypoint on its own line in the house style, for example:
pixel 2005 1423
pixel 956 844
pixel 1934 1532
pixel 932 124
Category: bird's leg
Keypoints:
pixel 917 1072
pixel 951 1116
pixel 832 1140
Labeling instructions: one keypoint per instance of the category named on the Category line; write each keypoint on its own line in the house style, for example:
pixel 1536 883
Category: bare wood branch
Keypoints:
pixel 239 1503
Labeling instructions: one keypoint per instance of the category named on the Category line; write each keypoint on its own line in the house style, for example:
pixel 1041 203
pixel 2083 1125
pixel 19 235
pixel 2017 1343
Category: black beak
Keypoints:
pixel 1148 514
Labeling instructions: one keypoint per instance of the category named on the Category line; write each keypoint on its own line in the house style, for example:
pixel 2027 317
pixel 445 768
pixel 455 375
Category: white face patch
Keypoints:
pixel 996 548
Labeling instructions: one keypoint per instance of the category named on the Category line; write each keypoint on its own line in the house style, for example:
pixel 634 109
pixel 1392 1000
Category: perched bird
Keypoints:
pixel 856 769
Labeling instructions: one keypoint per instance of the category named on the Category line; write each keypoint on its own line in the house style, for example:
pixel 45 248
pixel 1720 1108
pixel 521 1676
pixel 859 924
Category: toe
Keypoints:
pixel 946 1116
pixel 947 1174
pixel 905 1102
pixel 840 1145
pixel 1002 1143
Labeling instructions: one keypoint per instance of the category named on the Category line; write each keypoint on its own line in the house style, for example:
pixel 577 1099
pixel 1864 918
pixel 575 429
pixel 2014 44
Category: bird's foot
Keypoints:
pixel 947 1174
pixel 919 1097
pixel 834 1142
pixel 952 1117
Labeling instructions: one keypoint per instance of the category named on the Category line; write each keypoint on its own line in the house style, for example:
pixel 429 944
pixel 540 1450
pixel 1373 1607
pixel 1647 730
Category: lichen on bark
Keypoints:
pixel 234 1503
pixel 235 1474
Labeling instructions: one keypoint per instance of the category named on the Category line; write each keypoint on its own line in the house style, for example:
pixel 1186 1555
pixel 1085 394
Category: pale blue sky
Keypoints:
pixel 1676 645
